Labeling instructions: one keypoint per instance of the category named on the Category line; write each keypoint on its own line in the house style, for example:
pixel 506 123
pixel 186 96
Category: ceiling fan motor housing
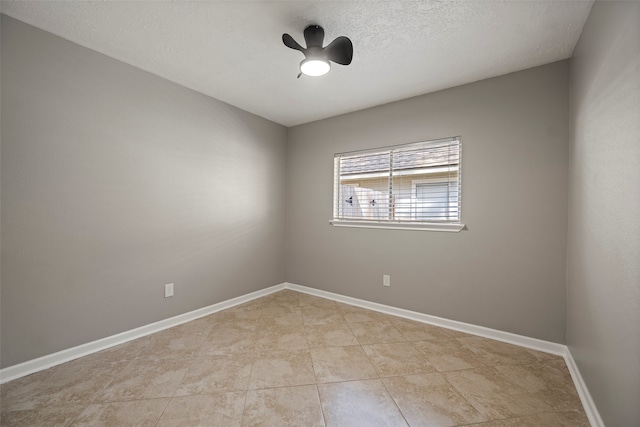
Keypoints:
pixel 317 58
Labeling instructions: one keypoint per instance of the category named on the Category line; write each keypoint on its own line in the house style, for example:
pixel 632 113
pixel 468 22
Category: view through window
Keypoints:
pixel 416 183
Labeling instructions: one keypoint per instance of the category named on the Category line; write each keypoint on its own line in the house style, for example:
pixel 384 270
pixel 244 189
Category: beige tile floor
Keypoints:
pixel 294 359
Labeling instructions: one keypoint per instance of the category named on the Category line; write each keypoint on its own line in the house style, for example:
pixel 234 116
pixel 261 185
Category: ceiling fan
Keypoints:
pixel 316 58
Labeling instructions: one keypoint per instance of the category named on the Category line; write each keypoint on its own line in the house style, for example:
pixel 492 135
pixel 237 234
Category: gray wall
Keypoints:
pixel 115 182
pixel 507 271
pixel 603 312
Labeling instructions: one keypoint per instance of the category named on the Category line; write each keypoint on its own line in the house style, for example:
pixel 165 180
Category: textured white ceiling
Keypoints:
pixel 232 50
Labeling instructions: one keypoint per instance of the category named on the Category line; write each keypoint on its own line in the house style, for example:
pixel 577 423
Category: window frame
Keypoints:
pixel 451 226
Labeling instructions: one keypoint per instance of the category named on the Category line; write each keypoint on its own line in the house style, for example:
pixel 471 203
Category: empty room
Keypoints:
pixel 332 213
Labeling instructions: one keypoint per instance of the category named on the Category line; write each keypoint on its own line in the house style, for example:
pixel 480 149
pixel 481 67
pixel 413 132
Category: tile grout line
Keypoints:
pixel 465 397
pixel 395 402
pixel 246 394
pixel 324 416
pixel 165 408
pixel 94 401
pixel 313 368
pixel 173 395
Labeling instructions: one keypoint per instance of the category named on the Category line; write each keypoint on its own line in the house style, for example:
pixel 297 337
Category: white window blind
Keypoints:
pixel 417 183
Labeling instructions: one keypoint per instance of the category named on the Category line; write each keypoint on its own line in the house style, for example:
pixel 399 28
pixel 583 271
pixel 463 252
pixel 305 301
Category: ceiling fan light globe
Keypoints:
pixel 314 67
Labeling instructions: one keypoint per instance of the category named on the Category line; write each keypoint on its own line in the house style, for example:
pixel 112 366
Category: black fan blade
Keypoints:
pixel 340 51
pixel 314 36
pixel 291 43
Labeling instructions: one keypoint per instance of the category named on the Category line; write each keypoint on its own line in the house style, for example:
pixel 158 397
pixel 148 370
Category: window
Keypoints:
pixel 415 186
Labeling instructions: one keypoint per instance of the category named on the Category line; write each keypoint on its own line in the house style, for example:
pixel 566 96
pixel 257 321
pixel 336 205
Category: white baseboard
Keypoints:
pixel 587 401
pixel 48 361
pixel 494 334
pixel 45 362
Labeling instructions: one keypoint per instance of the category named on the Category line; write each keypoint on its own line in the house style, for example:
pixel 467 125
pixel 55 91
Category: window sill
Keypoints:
pixel 455 228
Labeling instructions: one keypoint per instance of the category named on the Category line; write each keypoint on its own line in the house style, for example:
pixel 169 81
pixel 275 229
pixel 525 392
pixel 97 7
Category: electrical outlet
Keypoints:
pixel 386 280
pixel 168 290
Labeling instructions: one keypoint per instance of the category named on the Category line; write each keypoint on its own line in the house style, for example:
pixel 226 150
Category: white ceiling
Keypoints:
pixel 232 50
